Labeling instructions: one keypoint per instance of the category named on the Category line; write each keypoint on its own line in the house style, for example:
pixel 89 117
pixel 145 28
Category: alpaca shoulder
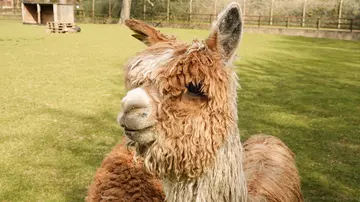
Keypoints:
pixel 270 170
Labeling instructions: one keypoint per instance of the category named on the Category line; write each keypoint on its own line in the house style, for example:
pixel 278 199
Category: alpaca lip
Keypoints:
pixel 128 130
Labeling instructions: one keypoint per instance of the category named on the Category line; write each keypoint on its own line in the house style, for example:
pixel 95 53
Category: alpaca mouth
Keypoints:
pixel 129 130
pixel 141 136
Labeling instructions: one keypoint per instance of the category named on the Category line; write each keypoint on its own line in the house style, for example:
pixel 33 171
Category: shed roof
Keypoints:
pixel 51 1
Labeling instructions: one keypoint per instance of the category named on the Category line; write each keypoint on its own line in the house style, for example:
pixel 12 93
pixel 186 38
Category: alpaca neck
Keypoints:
pixel 223 182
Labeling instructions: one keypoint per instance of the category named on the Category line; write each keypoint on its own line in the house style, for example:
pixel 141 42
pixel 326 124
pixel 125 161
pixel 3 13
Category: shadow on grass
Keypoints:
pixel 307 92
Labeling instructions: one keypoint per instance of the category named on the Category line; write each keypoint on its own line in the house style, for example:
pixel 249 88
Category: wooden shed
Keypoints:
pixel 44 11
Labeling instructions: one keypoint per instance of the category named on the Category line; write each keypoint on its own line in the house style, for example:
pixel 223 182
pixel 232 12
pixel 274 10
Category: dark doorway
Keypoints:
pixel 47 13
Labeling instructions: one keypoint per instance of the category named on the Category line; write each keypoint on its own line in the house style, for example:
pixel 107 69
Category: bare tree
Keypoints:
pixel 125 11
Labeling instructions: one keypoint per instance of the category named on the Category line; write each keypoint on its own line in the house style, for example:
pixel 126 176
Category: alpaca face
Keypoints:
pixel 178 108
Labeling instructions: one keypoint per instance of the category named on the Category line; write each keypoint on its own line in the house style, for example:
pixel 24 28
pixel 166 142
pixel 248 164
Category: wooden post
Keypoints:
pixel 271 12
pixel 74 9
pixel 144 10
pixel 259 21
pixel 318 23
pixel 287 22
pixel 168 11
pixel 110 9
pixel 190 9
pixel 215 8
pixel 93 9
pixel 304 14
pixel 340 12
pixel 38 13
pixel 13 2
pixel 210 19
pixel 18 5
pixel 351 24
pixel 244 10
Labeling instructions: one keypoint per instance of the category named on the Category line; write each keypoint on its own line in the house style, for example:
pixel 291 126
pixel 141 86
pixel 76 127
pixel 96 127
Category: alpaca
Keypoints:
pixel 181 114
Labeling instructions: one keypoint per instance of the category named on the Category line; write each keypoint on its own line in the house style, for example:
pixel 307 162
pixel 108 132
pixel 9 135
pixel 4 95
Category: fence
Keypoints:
pixel 260 21
pixel 340 9
pixel 10 13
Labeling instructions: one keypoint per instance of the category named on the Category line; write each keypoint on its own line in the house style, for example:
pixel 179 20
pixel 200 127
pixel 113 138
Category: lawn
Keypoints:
pixel 60 95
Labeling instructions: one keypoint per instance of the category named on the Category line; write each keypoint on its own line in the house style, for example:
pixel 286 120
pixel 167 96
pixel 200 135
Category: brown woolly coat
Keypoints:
pixel 269 167
pixel 121 179
pixel 270 170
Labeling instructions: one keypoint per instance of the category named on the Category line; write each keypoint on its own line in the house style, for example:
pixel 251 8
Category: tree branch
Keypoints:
pixel 151 3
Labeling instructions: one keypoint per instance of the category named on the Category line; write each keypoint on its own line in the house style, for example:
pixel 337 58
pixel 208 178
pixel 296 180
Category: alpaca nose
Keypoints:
pixel 134 99
pixel 136 110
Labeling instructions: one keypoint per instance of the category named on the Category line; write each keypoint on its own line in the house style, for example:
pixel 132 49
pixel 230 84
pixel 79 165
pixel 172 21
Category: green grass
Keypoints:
pixel 60 94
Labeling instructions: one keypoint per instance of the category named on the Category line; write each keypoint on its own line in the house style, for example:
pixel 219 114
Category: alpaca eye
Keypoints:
pixel 195 89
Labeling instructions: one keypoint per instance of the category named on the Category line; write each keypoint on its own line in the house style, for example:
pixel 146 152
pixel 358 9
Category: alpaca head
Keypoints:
pixel 180 103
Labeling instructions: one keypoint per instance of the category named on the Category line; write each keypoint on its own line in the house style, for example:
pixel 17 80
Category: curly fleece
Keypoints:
pixel 122 179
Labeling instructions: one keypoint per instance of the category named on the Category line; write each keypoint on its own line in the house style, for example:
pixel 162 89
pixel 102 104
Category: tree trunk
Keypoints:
pixel 125 11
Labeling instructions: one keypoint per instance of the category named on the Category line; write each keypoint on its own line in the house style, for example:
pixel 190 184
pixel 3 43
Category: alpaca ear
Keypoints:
pixel 145 33
pixel 226 32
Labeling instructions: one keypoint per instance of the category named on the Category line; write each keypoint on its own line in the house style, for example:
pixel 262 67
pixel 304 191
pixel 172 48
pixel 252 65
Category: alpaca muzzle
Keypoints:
pixel 136 116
